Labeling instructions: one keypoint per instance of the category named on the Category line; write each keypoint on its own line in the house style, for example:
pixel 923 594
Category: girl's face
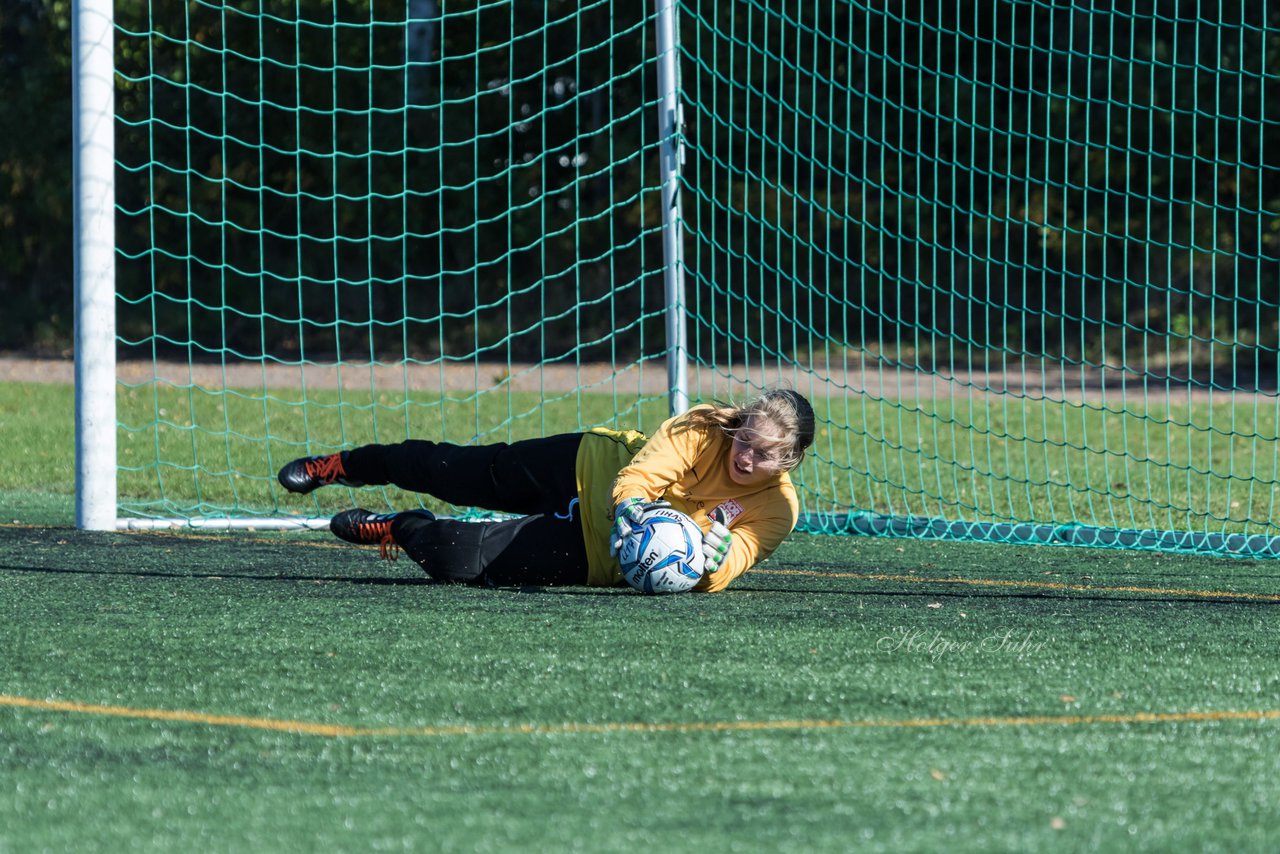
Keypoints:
pixel 757 452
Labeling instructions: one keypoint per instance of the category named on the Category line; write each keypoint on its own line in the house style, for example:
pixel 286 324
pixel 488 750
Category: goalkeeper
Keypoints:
pixel 578 495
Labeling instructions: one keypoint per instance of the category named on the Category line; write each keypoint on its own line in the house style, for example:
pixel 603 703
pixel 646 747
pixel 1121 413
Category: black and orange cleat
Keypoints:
pixel 308 473
pixel 364 527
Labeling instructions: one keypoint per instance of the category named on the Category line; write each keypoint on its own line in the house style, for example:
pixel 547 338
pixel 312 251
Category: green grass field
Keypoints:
pixel 263 691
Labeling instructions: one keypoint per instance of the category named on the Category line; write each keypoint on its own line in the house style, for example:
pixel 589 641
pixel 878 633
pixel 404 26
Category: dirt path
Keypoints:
pixel 649 378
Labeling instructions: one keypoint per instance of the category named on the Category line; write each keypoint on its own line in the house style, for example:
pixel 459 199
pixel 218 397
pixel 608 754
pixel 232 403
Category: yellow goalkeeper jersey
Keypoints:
pixel 688 467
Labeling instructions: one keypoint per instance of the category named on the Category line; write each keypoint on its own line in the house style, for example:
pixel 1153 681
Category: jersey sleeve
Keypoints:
pixel 666 458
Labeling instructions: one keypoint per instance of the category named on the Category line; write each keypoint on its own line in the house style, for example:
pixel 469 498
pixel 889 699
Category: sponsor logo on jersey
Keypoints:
pixel 731 509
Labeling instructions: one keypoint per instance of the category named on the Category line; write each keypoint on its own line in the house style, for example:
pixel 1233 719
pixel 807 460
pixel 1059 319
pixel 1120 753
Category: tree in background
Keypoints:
pixel 1011 178
pixel 36 286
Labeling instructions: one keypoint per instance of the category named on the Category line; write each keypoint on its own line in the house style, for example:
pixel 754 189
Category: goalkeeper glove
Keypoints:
pixel 716 542
pixel 629 513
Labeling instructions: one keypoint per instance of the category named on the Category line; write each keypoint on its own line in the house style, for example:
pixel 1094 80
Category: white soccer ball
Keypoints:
pixel 663 554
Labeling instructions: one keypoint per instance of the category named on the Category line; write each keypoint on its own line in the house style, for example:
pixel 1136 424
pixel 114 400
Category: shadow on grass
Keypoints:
pixel 1037 596
pixel 70 552
pixel 223 576
pixel 397 581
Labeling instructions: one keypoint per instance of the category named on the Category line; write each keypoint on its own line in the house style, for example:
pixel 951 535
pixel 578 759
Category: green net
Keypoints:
pixel 362 221
pixel 1024 257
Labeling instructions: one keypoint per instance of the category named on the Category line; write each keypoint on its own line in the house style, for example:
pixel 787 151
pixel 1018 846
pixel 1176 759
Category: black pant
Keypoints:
pixel 535 478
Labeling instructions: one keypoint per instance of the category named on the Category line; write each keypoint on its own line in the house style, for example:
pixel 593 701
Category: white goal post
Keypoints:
pixel 93 122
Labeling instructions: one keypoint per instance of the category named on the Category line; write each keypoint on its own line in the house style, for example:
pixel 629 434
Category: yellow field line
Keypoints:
pixel 338 730
pixel 1033 585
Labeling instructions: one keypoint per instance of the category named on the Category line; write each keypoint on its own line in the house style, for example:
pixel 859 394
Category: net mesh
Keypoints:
pixel 1024 255
pixel 356 222
pixel 1024 258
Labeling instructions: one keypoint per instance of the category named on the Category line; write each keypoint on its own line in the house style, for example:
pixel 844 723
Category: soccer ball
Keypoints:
pixel 663 554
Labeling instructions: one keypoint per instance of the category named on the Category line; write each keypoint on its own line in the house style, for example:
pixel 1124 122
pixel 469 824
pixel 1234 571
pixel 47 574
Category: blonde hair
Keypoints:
pixel 785 409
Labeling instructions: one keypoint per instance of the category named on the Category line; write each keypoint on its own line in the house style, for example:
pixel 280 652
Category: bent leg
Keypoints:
pixel 539 549
pixel 528 477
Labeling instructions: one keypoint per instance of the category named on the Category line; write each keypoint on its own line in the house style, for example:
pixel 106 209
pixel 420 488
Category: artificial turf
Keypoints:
pixel 850 693
pixel 258 691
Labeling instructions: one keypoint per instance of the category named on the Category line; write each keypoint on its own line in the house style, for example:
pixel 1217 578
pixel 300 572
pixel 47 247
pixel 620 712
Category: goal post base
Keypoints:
pixel 224 523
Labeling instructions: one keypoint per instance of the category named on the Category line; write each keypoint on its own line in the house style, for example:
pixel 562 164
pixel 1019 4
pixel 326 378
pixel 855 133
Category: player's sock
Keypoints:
pixel 308 473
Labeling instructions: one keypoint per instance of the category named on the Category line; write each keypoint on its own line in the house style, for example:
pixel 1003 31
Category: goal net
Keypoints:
pixel 360 222
pixel 1023 257
pixel 1026 255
